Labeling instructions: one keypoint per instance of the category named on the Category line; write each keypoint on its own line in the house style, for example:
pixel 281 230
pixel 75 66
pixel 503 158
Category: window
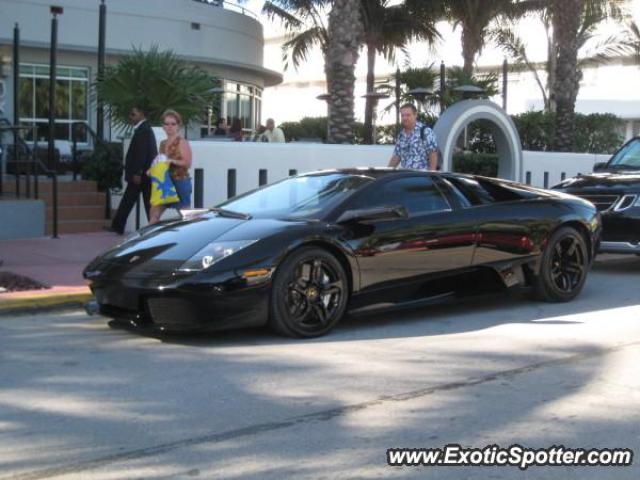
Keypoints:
pixel 417 194
pixel 307 196
pixel 627 157
pixel 72 87
pixel 239 101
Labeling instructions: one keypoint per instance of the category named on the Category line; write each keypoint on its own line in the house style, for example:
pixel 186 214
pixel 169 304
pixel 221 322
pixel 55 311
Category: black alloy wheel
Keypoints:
pixel 564 267
pixel 309 294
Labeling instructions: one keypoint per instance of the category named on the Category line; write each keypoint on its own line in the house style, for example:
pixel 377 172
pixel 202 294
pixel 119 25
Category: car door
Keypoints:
pixel 506 224
pixel 433 238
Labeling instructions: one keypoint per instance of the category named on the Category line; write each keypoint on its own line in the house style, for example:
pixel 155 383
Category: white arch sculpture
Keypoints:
pixel 455 118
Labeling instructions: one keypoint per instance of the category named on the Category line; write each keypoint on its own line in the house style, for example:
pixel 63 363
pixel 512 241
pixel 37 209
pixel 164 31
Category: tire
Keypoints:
pixel 309 294
pixel 564 266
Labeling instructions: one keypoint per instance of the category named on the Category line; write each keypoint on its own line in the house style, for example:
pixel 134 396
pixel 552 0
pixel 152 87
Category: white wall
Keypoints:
pixel 216 158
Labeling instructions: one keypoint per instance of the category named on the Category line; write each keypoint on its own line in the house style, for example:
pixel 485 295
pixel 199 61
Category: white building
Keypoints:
pixel 224 38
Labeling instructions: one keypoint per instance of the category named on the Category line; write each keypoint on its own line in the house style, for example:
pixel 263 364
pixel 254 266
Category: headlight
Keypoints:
pixel 212 253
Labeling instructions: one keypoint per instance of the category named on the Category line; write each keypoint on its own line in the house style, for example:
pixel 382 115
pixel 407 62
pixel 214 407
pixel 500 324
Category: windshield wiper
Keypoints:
pixel 223 212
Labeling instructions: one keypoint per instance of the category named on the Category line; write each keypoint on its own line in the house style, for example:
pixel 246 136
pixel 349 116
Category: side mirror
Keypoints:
pixel 600 167
pixel 375 213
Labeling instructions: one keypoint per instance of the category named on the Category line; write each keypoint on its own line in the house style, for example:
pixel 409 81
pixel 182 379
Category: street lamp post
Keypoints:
pixel 420 94
pixel 374 96
pixel 102 26
pixel 214 91
pixel 55 11
pixel 325 98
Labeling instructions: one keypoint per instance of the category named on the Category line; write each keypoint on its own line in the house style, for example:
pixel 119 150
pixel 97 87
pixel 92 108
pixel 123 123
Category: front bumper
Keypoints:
pixel 620 247
pixel 204 306
pixel 621 231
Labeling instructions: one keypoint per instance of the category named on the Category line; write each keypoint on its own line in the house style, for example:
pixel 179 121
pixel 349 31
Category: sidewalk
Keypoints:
pixel 54 262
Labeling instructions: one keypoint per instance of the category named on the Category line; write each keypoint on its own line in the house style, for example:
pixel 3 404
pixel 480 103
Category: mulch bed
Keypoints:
pixel 12 282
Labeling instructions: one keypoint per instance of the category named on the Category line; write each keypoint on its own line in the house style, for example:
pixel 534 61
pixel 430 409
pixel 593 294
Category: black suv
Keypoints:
pixel 614 188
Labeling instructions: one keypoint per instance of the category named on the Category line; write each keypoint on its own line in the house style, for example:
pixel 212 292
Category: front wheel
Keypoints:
pixel 564 267
pixel 309 294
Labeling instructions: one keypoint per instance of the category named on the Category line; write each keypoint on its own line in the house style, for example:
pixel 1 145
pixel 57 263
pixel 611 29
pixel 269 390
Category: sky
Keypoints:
pixel 302 85
pixel 448 49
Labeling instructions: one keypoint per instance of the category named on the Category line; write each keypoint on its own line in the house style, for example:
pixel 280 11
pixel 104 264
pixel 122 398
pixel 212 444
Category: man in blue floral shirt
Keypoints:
pixel 416 147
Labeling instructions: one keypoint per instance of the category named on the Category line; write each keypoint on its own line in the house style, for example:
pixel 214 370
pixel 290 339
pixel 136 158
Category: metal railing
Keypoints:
pixel 26 156
pixel 228 5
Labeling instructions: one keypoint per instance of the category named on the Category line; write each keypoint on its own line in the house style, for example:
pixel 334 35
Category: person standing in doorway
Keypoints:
pixel 416 147
pixel 142 150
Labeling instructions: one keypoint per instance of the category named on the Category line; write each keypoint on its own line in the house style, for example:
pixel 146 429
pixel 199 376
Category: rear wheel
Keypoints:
pixel 565 263
pixel 309 294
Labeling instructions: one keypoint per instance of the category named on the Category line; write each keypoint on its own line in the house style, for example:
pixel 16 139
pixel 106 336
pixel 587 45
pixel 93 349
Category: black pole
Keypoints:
pixel 102 25
pixel 52 112
pixel 16 105
pixel 198 198
pixel 505 77
pixel 52 91
pixel 397 102
pixel 443 81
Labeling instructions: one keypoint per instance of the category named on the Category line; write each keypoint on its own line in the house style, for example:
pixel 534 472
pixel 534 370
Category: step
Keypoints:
pixel 46 186
pixel 80 213
pixel 76 198
pixel 77 226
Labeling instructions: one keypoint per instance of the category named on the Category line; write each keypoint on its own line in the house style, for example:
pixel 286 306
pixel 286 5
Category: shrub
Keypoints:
pixel 104 165
pixel 595 133
pixel 485 164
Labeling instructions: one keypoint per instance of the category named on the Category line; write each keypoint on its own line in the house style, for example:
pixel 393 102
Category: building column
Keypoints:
pixel 628 134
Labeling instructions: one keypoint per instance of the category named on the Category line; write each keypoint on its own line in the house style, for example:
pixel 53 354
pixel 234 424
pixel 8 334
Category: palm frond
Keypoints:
pixel 274 12
pixel 296 48
pixel 607 51
pixel 156 81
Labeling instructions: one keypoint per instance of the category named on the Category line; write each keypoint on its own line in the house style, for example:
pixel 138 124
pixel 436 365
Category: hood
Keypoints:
pixel 601 183
pixel 164 247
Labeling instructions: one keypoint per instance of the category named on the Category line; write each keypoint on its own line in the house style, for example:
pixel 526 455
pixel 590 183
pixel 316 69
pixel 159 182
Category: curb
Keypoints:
pixel 43 302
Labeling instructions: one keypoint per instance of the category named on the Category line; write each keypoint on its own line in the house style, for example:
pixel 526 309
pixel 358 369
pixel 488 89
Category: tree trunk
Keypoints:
pixel 469 50
pixel 552 61
pixel 370 102
pixel 345 37
pixel 566 16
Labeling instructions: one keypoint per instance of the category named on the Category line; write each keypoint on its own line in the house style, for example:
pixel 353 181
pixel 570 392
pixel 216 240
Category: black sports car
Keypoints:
pixel 614 188
pixel 297 254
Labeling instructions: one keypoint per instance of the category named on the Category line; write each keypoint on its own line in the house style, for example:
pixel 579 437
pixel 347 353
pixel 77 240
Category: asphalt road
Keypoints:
pixel 80 400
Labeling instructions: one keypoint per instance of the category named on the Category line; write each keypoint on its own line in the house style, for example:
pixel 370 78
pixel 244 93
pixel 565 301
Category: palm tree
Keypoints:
pixel 565 18
pixel 305 26
pixel 429 76
pixel 155 81
pixel 475 17
pixel 594 13
pixel 388 28
pixel 345 37
pixel 632 40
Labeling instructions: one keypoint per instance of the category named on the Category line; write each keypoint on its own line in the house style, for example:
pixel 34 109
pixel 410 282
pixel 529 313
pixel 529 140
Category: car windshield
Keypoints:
pixel 628 157
pixel 304 196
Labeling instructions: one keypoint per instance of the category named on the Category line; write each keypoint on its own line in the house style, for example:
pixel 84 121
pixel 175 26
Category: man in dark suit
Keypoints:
pixel 142 151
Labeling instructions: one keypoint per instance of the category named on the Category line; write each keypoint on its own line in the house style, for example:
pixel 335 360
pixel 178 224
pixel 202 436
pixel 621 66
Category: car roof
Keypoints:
pixel 368 171
pixel 381 172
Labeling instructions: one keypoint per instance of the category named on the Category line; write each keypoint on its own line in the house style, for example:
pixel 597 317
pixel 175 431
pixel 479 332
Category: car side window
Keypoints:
pixel 471 190
pixel 417 194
